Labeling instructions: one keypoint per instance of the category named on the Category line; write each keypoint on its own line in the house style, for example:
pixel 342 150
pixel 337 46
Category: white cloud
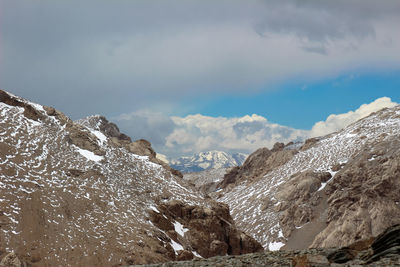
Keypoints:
pixel 196 133
pixel 336 122
pixel 176 136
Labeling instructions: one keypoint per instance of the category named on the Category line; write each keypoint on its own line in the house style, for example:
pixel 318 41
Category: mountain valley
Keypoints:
pixel 81 193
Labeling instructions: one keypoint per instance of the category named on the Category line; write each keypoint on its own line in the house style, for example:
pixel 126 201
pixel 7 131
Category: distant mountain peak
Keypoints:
pixel 207 160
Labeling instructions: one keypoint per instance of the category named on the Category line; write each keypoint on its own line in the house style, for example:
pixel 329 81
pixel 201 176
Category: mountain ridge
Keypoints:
pixel 208 160
pixel 263 205
pixel 82 193
pixel 75 193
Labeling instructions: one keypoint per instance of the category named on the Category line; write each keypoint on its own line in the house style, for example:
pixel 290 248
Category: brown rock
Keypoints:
pixel 142 147
pixel 211 230
pixel 29 111
pixel 64 120
pixel 83 139
pixel 10 260
pixel 363 198
pixel 278 146
pixel 248 244
pixel 110 129
pixel 218 247
pixel 309 143
pixel 184 255
pixel 161 221
pixel 258 164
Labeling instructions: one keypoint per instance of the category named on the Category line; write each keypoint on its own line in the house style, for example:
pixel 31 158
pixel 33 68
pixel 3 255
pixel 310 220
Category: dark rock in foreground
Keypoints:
pixel 383 250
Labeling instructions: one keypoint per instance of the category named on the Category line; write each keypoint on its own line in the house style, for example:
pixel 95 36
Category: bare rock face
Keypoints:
pixel 383 250
pixel 140 147
pixel 359 202
pixel 64 120
pixel 309 143
pixel 10 260
pixel 207 231
pixel 71 195
pixel 111 129
pixel 258 164
pixel 29 111
pixel 206 181
pixel 184 255
pixel 299 198
pixel 83 139
pixel 364 196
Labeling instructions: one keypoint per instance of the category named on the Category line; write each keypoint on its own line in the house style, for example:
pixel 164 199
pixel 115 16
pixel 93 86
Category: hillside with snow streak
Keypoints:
pixel 263 206
pixel 70 195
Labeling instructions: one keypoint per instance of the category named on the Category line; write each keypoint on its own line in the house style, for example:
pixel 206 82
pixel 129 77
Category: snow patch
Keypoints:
pixel 275 246
pixel 280 234
pixel 102 138
pixel 324 184
pixel 89 155
pixel 299 227
pixel 176 246
pixel 180 229
pixel 154 208
pixel 197 254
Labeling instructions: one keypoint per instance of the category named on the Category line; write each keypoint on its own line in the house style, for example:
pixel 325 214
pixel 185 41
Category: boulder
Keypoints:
pixel 210 231
pixel 10 260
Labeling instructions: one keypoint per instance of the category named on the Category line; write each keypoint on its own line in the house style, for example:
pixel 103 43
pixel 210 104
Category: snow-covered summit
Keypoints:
pixel 208 160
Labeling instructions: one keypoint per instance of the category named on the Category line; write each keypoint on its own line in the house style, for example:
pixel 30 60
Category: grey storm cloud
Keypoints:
pixel 323 20
pixel 115 57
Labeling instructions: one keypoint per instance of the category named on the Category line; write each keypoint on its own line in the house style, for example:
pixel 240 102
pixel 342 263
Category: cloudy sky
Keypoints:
pixel 200 75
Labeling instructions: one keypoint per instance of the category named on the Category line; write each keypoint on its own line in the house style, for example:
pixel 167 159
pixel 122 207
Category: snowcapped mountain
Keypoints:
pixel 333 191
pixel 83 194
pixel 208 160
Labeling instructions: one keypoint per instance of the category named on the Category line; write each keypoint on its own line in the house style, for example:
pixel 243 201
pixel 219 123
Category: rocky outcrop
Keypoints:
pixel 337 189
pixel 83 139
pixel 111 129
pixel 386 244
pixel 61 204
pixel 299 198
pixel 140 147
pixel 363 197
pixel 258 164
pixel 309 143
pixel 359 201
pixel 207 231
pixel 11 260
pixel 29 111
pixel 383 250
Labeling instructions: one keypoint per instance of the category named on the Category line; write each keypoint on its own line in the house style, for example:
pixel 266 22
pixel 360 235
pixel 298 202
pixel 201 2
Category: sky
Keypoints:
pixel 191 76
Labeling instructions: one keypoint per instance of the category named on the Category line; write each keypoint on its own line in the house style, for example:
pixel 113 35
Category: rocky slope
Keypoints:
pixel 206 181
pixel 258 164
pixel 384 250
pixel 208 160
pixel 83 194
pixel 332 191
